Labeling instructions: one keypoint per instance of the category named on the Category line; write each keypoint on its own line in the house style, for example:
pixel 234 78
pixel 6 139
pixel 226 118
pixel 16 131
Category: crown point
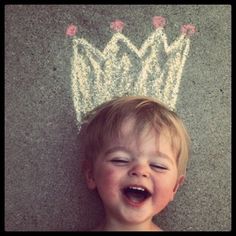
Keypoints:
pixel 188 29
pixel 117 25
pixel 158 22
pixel 71 30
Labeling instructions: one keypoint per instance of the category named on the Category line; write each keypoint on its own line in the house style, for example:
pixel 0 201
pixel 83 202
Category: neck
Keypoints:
pixel 112 225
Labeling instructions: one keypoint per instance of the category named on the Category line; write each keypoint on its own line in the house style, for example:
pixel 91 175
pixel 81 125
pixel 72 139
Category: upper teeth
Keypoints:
pixel 137 188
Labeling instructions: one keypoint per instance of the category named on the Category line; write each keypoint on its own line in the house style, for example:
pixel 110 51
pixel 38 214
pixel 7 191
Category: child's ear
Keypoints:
pixel 89 175
pixel 177 185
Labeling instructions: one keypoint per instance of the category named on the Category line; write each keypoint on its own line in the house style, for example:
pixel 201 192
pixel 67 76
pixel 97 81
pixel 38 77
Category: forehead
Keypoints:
pixel 131 128
pixel 127 127
pixel 132 132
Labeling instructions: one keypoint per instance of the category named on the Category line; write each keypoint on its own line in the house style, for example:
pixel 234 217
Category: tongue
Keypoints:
pixel 135 196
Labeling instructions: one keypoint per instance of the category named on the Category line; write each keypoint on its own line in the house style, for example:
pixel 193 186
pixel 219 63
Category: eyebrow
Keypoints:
pixel 164 156
pixel 116 149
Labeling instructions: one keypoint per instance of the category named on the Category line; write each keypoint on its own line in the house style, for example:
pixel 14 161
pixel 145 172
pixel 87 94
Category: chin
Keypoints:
pixel 136 217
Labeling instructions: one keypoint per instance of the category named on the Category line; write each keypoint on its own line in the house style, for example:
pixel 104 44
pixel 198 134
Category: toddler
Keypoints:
pixel 136 151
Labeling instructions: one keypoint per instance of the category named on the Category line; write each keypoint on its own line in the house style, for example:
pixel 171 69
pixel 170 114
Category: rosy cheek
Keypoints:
pixel 160 202
pixel 106 174
pixel 164 194
pixel 107 182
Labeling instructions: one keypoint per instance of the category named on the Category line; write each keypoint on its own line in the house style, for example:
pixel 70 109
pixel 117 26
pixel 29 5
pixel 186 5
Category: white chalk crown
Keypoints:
pixel 121 69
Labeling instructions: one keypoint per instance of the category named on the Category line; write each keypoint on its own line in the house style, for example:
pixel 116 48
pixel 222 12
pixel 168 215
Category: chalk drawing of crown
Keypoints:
pixel 121 69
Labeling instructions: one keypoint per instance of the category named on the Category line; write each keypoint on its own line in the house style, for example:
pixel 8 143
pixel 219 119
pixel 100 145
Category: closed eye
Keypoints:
pixel 119 162
pixel 159 167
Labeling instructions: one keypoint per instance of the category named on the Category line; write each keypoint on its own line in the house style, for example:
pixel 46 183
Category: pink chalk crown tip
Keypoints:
pixel 71 30
pixel 117 25
pixel 158 22
pixel 188 29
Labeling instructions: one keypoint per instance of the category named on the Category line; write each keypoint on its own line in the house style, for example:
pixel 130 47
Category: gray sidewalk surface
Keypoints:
pixel 44 188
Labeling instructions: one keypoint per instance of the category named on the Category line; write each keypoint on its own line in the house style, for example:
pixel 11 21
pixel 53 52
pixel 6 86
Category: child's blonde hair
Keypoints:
pixel 103 124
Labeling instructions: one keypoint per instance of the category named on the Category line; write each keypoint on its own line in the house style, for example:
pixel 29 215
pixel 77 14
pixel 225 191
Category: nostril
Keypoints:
pixel 135 173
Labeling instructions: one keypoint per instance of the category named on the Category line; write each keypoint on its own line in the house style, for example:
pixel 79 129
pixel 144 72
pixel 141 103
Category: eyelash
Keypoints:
pixel 159 167
pixel 118 161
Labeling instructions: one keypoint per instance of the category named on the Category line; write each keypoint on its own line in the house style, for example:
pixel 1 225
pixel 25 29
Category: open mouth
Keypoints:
pixel 136 194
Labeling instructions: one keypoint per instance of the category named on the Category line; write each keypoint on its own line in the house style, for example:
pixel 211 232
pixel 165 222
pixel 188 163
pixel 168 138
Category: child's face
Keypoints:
pixel 136 180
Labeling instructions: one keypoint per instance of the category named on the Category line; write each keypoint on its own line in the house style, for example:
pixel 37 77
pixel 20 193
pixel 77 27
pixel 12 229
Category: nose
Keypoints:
pixel 139 171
